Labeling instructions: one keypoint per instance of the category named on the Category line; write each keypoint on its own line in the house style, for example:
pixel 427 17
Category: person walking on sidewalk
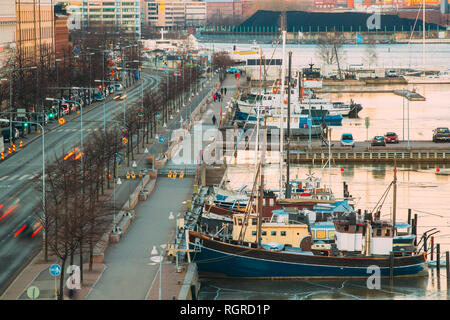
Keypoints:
pixel 214 97
pixel 221 91
pixel 225 90
pixel 214 120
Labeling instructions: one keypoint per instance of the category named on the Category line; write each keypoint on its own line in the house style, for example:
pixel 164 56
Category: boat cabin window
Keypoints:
pixel 321 234
pixel 264 233
pixel 273 233
pixel 283 233
pixel 253 222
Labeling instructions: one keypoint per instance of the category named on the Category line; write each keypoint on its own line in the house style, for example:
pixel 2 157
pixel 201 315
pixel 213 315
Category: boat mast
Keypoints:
pixel 257 111
pixel 423 35
pixel 394 200
pixel 288 160
pixel 283 74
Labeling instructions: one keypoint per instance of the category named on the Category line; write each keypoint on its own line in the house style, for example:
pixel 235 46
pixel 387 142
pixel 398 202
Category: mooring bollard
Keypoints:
pixel 432 248
pixel 447 267
pixel 391 266
pixel 438 262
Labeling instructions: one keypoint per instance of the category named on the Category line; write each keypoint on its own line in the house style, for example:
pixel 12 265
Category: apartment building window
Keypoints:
pixel 108 3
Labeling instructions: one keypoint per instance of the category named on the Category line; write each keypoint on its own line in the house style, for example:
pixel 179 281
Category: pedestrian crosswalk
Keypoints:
pixel 17 177
pixel 76 129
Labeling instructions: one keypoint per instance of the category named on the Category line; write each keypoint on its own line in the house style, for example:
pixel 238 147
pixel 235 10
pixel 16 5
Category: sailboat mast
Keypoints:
pixel 257 110
pixel 423 35
pixel 394 201
pixel 281 117
pixel 288 158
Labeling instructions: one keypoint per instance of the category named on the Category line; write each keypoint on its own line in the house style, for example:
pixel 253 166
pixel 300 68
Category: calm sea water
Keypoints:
pixel 437 55
pixel 419 188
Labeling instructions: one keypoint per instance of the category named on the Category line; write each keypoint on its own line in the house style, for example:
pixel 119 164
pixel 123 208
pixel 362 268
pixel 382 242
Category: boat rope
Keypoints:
pixel 383 198
pixel 429 213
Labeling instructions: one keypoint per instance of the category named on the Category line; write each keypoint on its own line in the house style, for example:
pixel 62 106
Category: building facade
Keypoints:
pixel 174 13
pixel 34 30
pixel 125 14
pixel 7 30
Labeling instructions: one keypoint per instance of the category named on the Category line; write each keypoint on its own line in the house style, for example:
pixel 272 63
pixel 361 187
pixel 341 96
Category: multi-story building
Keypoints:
pixel 7 30
pixel 34 30
pixel 223 11
pixel 174 13
pixel 61 31
pixel 120 13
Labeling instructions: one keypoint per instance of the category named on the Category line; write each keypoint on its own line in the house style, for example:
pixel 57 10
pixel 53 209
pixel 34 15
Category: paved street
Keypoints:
pixel 130 272
pixel 17 194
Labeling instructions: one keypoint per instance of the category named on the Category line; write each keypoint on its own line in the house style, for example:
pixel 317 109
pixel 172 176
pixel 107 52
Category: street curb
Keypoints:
pixel 19 272
pixel 95 283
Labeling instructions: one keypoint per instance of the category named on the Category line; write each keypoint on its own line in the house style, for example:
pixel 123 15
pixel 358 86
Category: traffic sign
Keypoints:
pixel 367 121
pixel 161 139
pixel 33 292
pixel 61 121
pixel 124 140
pixel 55 270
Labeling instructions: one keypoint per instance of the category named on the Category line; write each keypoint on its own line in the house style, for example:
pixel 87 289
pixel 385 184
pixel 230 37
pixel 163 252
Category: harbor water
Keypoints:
pixel 420 188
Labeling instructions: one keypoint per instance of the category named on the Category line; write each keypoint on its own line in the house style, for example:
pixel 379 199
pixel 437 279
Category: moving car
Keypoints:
pixel 118 87
pixel 378 141
pixel 391 137
pixel 441 134
pixel 347 140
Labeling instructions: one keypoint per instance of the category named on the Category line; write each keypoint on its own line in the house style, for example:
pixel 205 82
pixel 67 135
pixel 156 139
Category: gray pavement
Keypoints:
pixel 130 272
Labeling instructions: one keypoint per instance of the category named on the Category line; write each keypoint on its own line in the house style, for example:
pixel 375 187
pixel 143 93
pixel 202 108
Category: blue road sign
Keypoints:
pixel 55 270
pixel 309 122
pixel 161 139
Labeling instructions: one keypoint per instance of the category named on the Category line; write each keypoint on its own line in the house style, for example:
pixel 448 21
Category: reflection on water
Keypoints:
pixel 420 188
pixel 424 288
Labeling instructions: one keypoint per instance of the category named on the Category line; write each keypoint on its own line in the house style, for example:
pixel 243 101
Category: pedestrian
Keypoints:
pixel 214 97
pixel 225 90
pixel 221 91
pixel 214 120
pixel 219 96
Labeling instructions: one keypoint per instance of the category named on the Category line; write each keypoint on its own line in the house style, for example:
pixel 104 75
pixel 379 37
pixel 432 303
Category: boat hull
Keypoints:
pixel 228 260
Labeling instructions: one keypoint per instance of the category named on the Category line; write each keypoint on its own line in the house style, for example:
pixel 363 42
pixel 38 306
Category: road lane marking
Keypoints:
pixel 3 178
pixel 23 177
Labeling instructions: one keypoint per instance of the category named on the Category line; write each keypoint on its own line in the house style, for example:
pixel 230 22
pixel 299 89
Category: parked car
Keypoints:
pixel 441 134
pixel 118 87
pixel 5 133
pixel 65 107
pixel 233 70
pixel 347 140
pixel 98 97
pixel 110 89
pixel 391 73
pixel 391 137
pixel 378 141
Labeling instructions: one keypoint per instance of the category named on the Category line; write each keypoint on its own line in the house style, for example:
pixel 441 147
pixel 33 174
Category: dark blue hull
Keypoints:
pixel 245 264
